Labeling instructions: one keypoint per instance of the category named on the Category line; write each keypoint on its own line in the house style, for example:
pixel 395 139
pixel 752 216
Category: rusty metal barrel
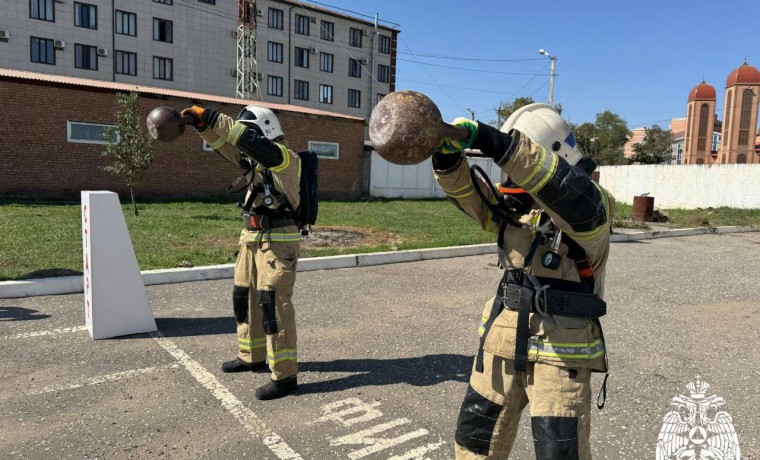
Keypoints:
pixel 643 208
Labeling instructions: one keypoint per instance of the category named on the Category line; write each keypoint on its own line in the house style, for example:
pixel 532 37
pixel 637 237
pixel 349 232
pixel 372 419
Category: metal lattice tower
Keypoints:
pixel 247 86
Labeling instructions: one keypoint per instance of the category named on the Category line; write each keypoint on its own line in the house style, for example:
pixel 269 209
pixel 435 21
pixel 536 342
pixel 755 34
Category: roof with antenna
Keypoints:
pixel 346 14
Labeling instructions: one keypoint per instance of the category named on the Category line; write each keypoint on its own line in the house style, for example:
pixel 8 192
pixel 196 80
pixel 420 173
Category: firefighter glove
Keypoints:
pixel 451 145
pixel 194 116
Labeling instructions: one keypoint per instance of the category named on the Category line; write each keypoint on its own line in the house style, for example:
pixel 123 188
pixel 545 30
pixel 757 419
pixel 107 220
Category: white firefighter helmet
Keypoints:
pixel 543 125
pixel 264 119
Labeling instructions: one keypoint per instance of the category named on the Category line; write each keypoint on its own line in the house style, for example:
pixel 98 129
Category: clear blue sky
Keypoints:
pixel 639 58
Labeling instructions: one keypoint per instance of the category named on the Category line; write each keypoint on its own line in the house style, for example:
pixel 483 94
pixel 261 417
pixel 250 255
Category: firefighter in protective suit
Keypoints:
pixel 265 270
pixel 540 337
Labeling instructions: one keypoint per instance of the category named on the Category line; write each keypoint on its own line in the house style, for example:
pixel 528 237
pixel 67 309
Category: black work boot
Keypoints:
pixel 240 366
pixel 277 389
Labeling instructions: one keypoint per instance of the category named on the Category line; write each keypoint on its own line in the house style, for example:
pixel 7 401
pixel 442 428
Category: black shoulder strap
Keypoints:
pixel 576 252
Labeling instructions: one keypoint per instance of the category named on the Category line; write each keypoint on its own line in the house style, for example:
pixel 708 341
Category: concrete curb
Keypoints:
pixel 74 284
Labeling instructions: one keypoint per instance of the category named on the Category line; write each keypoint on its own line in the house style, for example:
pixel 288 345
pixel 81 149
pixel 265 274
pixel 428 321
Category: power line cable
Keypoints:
pixel 469 69
pixel 436 56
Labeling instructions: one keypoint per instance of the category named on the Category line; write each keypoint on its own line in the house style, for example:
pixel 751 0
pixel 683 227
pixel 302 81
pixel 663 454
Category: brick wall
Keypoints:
pixel 37 161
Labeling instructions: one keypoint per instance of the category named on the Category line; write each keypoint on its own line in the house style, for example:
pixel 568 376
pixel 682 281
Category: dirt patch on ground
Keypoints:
pixel 347 237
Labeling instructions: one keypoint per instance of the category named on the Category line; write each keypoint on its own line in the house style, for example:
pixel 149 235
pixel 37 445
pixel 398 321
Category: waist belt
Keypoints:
pixel 264 222
pixel 525 293
pixel 550 301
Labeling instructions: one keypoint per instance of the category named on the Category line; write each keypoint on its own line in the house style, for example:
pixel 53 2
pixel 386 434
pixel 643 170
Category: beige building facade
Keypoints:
pixel 305 55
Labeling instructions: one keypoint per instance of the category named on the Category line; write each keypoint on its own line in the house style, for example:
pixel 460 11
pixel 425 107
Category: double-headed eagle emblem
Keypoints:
pixel 697 430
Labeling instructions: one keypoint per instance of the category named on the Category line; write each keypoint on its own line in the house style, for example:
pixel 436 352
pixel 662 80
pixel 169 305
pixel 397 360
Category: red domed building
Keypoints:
pixel 708 141
pixel 740 116
pixel 700 119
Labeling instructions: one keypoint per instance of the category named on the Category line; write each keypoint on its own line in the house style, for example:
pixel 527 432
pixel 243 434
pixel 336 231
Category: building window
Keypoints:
pixel 741 158
pixel 688 128
pixel 302 57
pixel 327 31
pixel 325 94
pixel 354 98
pixel 727 124
pixel 165 2
pixel 43 51
pixel 384 46
pixel 275 18
pixel 162 68
pixel 715 141
pixel 88 133
pixel 42 9
pixel 326 62
pixel 329 150
pixel 700 161
pixel 355 37
pixel 383 73
pixel 274 52
pixel 126 63
pixel 85 57
pixel 354 68
pixel 126 23
pixel 210 2
pixel 301 90
pixel 85 15
pixel 679 153
pixel 302 24
pixel 747 102
pixel 162 30
pixel 274 86
pixel 702 135
pixel 379 97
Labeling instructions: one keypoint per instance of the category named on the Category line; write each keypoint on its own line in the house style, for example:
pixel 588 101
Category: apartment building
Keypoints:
pixel 176 44
pixel 319 58
pixel 306 55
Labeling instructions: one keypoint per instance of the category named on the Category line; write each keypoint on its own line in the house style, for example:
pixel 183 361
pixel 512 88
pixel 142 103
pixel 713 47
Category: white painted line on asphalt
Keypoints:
pixel 375 444
pixel 234 406
pixel 419 452
pixel 115 377
pixel 60 330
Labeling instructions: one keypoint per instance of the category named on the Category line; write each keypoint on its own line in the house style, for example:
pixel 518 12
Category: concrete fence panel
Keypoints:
pixel 686 186
pixel 388 180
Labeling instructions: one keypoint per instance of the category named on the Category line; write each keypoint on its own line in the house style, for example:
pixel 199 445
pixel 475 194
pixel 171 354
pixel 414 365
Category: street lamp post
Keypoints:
pixel 472 114
pixel 551 74
pixel 594 148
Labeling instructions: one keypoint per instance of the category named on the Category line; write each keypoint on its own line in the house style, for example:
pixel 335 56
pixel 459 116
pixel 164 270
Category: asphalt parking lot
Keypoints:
pixel 385 354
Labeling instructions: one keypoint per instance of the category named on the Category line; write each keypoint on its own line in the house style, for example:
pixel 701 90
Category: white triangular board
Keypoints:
pixel 115 301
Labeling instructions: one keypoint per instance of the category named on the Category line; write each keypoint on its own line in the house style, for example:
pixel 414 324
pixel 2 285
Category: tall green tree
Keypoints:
pixel 508 108
pixel 610 133
pixel 654 148
pixel 585 136
pixel 130 147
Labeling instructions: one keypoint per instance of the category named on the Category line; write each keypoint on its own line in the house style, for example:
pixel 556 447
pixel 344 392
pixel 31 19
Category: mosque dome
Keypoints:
pixel 745 74
pixel 702 91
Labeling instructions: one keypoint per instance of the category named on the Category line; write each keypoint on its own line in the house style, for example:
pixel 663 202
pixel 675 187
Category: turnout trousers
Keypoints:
pixel 265 273
pixel 560 408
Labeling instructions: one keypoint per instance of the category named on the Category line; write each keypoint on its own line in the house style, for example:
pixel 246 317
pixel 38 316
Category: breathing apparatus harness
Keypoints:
pixel 263 216
pixel 526 293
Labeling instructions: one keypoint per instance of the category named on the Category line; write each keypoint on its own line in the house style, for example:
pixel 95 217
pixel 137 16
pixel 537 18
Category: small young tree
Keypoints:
pixel 130 146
